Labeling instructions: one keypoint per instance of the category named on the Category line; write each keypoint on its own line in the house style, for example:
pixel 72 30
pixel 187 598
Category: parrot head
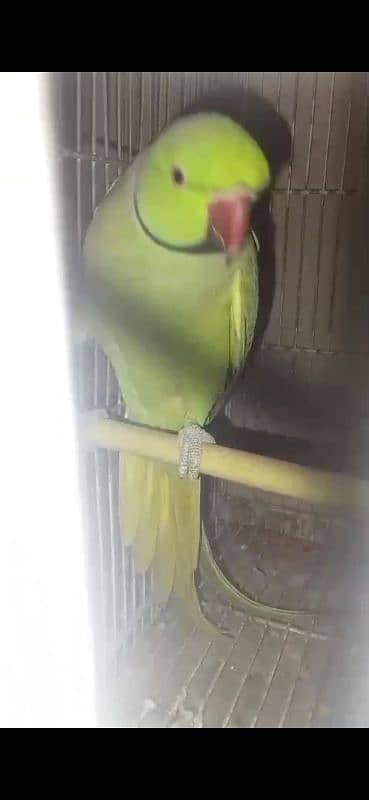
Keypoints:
pixel 197 183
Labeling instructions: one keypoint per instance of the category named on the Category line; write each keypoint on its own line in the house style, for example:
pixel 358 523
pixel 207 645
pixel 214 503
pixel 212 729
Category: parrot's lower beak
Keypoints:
pixel 230 215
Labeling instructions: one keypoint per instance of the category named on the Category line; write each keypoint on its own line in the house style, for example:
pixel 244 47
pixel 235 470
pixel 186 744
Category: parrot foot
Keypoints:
pixel 191 439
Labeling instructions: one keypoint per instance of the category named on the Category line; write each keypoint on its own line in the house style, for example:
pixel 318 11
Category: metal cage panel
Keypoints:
pixel 318 328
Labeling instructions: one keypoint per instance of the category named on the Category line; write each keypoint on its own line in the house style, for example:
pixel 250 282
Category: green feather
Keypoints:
pixel 174 323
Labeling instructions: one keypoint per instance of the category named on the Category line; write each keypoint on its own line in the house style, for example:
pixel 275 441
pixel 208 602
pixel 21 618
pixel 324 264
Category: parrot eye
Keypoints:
pixel 178 176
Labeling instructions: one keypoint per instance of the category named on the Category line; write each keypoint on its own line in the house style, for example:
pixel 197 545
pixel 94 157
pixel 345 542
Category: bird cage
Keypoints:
pixel 304 397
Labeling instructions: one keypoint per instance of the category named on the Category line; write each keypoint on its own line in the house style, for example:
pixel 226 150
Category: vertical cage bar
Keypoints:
pixel 334 276
pixel 279 92
pixel 289 183
pixel 319 262
pixel 130 116
pixel 301 261
pixel 114 560
pixel 141 112
pixel 329 131
pixel 93 141
pixel 106 129
pixel 347 136
pixel 312 121
pixel 119 120
pixel 78 160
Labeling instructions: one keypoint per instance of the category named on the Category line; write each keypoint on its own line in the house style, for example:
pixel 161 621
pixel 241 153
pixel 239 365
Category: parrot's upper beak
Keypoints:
pixel 230 214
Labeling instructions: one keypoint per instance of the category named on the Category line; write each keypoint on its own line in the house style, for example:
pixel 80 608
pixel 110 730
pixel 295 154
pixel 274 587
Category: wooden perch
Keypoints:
pixel 261 472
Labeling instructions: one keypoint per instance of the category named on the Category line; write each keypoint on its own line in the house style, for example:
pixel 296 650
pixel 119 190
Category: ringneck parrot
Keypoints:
pixel 172 276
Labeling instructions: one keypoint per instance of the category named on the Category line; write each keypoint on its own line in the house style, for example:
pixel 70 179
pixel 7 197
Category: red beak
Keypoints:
pixel 230 214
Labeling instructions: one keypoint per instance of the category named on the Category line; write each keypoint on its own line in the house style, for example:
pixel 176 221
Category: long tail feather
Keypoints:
pixel 240 600
pixel 160 518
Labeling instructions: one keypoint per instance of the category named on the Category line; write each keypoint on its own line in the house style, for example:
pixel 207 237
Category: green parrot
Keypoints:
pixel 172 281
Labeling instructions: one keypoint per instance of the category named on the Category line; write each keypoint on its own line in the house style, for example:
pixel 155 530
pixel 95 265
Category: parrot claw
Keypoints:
pixel 191 439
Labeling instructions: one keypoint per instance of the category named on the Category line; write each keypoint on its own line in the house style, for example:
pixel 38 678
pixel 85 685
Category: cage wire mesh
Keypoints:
pixel 317 334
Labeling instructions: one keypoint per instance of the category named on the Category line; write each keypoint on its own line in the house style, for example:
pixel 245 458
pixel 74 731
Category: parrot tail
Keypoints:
pixel 160 519
pixel 210 570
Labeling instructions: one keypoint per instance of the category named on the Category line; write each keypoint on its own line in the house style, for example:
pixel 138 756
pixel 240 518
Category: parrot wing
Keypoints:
pixel 242 321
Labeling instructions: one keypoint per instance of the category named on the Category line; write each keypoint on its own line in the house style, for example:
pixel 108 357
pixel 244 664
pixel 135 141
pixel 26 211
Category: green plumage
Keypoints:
pixel 175 323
